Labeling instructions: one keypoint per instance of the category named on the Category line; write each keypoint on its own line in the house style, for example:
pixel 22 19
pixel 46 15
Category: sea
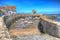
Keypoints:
pixel 58 16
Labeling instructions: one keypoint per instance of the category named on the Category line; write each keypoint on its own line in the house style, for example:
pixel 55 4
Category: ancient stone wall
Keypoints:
pixel 51 27
pixel 4 34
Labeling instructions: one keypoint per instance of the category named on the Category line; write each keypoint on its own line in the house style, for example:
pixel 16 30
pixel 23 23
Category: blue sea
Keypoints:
pixel 58 18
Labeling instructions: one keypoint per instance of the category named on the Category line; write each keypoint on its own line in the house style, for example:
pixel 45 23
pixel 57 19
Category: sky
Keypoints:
pixel 41 6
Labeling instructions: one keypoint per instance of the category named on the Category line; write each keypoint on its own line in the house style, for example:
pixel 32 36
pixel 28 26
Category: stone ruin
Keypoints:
pixel 4 34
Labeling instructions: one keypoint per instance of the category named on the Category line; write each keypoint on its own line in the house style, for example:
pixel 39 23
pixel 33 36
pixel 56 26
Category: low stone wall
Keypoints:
pixel 9 20
pixel 50 27
pixel 4 34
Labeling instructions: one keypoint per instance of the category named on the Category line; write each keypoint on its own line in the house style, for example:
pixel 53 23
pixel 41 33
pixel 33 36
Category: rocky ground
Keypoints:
pixel 36 37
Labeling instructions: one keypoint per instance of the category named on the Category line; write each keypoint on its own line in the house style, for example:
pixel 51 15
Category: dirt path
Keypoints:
pixel 30 29
pixel 21 32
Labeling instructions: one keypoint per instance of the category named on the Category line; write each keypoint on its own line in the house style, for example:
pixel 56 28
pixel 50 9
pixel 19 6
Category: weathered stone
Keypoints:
pixel 4 34
pixel 50 27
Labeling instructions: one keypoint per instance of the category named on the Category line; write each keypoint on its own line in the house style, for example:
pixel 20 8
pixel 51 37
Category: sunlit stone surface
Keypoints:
pixel 4 34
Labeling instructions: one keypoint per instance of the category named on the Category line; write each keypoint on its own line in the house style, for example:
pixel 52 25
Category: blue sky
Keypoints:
pixel 41 6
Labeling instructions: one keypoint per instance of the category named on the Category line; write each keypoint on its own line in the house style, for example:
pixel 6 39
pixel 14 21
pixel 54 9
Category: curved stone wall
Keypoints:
pixel 49 26
pixel 9 20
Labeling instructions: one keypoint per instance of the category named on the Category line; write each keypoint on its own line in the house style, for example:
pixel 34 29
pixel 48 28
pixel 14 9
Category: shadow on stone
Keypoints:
pixel 40 27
